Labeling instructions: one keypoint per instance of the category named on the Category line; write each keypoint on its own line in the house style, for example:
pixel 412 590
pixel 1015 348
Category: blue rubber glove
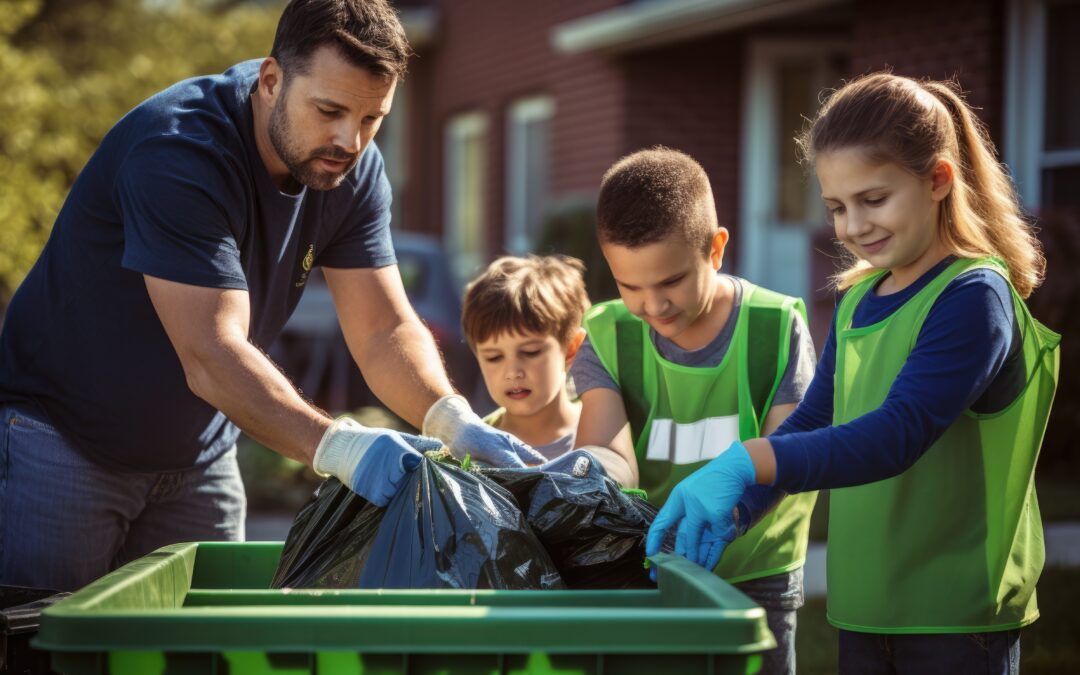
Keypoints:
pixel 703 508
pixel 453 422
pixel 371 462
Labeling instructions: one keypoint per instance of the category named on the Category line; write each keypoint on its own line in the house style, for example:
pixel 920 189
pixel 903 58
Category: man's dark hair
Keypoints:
pixel 366 32
pixel 652 193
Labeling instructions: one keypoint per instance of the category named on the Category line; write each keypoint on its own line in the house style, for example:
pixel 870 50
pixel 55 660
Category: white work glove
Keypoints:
pixel 371 462
pixel 452 421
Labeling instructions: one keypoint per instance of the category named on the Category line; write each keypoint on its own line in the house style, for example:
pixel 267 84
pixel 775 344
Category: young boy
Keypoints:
pixel 522 319
pixel 688 360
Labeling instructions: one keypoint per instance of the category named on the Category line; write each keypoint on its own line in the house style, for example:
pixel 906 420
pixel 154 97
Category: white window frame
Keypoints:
pixel 393 143
pixel 460 129
pixel 760 181
pixel 521 113
pixel 1025 102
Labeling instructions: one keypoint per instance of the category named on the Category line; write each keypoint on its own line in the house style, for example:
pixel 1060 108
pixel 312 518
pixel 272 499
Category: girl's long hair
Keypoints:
pixel 915 124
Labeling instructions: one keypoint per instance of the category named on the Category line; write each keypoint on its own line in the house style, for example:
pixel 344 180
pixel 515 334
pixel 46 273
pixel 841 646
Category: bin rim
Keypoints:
pixel 694 611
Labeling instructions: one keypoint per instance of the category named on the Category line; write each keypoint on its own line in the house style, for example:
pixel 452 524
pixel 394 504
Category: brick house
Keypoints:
pixel 513 109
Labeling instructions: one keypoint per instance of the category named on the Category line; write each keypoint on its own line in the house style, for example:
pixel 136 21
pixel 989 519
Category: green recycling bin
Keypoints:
pixel 207 608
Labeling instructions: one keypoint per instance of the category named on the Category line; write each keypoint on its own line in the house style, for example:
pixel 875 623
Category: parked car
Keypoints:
pixel 312 351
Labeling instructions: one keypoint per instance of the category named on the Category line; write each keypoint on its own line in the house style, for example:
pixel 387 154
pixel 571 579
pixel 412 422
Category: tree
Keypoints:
pixel 70 69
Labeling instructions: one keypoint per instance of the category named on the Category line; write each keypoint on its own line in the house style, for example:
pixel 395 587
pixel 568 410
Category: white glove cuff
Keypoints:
pixel 341 449
pixel 446 417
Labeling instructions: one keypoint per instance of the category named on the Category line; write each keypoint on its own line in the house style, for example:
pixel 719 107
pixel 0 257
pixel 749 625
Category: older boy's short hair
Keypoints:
pixel 544 295
pixel 648 195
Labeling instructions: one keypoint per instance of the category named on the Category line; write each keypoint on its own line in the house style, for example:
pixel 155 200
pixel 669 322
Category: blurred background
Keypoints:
pixel 510 114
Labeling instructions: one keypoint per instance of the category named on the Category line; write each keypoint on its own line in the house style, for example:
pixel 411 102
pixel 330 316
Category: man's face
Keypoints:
pixel 323 119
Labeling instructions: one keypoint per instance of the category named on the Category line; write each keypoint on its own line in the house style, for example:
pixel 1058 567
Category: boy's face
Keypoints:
pixel 523 372
pixel 668 284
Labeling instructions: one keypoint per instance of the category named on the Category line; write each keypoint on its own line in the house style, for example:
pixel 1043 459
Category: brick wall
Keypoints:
pixel 489 53
pixel 689 97
pixel 929 38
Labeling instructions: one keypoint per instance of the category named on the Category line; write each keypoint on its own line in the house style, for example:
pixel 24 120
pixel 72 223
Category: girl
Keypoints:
pixel 928 406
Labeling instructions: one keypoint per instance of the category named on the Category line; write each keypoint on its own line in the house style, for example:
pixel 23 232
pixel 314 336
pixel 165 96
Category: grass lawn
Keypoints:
pixel 1049 646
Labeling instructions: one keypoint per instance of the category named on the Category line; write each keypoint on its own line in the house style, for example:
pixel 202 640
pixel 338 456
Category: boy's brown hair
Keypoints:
pixel 544 295
pixel 652 193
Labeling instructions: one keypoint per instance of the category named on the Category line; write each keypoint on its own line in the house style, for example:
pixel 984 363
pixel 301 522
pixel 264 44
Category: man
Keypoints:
pixel 133 353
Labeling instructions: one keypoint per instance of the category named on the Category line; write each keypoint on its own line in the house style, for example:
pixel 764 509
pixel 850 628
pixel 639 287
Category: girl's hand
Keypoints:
pixel 702 507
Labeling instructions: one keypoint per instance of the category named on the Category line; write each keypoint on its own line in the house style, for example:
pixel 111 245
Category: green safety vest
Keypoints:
pixel 954 544
pixel 682 416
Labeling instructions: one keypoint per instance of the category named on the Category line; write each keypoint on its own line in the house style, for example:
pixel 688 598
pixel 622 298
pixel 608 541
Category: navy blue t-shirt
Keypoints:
pixel 177 190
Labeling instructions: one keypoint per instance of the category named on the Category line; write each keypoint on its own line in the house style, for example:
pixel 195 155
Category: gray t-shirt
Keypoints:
pixel 588 372
pixel 556 448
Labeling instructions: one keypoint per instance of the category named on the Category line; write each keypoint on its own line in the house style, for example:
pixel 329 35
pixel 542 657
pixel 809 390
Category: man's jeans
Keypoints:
pixel 995 653
pixel 780 595
pixel 65 521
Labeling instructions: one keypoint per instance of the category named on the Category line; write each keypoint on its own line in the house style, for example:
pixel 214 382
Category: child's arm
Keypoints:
pixel 962 347
pixel 968 340
pixel 604 431
pixel 603 425
pixel 800 376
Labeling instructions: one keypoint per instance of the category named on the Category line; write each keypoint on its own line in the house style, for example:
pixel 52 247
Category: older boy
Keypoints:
pixel 522 319
pixel 690 359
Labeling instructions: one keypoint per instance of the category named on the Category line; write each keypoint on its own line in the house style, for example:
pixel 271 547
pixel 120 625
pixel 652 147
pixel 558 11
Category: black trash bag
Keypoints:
pixel 445 528
pixel 593 531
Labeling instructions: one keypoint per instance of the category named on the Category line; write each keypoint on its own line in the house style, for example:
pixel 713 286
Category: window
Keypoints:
pixel 798 198
pixel 527 164
pixel 391 140
pixel 781 213
pixel 1042 145
pixel 465 170
pixel 1061 142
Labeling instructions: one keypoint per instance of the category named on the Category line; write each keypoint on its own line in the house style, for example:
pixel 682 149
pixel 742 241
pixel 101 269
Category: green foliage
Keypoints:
pixel 70 70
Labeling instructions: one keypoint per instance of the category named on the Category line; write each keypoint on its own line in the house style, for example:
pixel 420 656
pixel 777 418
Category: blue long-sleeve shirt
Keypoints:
pixel 967 355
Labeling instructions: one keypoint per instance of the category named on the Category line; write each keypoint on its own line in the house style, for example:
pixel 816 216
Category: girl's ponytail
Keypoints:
pixel 983 208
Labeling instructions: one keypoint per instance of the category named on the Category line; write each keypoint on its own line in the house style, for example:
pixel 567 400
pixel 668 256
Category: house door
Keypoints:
pixel 781 210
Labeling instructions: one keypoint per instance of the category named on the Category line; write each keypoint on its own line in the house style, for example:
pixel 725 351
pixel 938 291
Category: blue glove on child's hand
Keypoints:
pixel 371 462
pixel 702 507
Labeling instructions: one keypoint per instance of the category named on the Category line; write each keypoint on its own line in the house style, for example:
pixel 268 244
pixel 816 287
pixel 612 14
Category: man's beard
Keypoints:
pixel 305 171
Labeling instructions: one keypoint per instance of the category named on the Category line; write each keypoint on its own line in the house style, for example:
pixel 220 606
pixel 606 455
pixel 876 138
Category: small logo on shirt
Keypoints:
pixel 306 264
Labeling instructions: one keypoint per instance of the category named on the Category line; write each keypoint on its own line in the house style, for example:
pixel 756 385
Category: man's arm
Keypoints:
pixel 394 350
pixel 604 431
pixel 208 328
pixel 399 359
